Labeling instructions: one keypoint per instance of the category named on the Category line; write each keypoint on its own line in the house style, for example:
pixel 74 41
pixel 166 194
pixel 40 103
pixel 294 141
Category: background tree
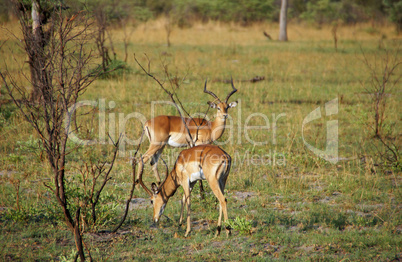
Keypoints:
pixel 107 13
pixel 33 18
pixel 283 35
pixel 384 77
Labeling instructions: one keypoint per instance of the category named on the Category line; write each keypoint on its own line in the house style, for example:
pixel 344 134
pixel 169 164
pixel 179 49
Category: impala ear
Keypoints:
pixel 233 104
pixel 154 188
pixel 211 104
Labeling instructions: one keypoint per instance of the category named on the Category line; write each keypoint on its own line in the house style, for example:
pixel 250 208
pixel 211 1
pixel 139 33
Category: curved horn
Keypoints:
pixel 233 91
pixel 140 179
pixel 209 92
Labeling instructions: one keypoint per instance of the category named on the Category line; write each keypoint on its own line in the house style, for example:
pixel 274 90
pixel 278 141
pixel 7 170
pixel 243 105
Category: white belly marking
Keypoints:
pixel 173 143
pixel 197 176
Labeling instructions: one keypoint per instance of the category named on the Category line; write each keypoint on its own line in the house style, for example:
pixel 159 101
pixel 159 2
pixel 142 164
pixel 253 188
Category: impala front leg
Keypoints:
pixel 186 198
pixel 154 163
pixel 183 203
pixel 152 152
pixel 188 217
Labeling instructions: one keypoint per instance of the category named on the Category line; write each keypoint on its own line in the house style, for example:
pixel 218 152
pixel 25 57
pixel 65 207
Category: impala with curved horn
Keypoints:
pixel 204 162
pixel 171 130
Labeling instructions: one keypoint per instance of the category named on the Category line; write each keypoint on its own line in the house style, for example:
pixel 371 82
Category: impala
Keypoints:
pixel 204 162
pixel 171 130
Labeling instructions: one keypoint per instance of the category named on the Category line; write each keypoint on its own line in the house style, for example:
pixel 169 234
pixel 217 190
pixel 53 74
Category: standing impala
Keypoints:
pixel 171 130
pixel 204 162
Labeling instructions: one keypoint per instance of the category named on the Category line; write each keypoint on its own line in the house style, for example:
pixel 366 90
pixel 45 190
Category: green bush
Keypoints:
pixel 241 11
pixel 115 69
pixel 321 11
pixel 184 12
pixel 6 112
pixel 327 11
pixel 394 9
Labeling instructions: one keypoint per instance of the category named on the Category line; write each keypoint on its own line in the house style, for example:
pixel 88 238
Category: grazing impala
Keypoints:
pixel 204 162
pixel 171 130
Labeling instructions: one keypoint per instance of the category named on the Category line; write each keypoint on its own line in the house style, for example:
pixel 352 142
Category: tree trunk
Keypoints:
pixel 78 237
pixel 283 35
pixel 37 35
pixel 36 52
pixel 35 17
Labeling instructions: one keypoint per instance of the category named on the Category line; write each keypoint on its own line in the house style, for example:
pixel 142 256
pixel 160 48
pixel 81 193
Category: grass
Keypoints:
pixel 298 205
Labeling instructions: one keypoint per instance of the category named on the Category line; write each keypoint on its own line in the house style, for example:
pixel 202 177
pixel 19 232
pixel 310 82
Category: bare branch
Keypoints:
pixel 189 139
pixel 381 82
pixel 59 64
pixel 134 166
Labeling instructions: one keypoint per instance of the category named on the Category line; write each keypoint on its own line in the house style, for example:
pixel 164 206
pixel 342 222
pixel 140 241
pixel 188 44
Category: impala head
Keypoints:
pixel 157 200
pixel 221 107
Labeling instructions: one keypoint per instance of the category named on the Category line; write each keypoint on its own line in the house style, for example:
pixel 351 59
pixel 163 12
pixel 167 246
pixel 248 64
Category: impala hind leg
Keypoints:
pixel 202 191
pixel 218 190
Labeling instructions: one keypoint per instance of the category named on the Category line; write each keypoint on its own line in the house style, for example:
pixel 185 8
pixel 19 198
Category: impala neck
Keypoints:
pixel 217 127
pixel 169 186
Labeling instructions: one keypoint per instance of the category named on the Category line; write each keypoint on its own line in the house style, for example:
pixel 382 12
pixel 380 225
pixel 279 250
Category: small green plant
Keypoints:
pixel 240 224
pixel 6 111
pixel 82 191
pixel 115 69
pixel 25 211
pixel 371 30
pixel 15 158
pixel 69 257
pixel 16 215
pixel 248 183
pixel 32 145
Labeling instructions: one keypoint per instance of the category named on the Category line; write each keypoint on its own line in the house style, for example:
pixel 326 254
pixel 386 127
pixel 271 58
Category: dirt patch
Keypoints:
pixel 241 196
pixel 271 248
pixel 368 208
pixel 200 225
pixel 326 200
pixel 307 249
pixel 6 173
pixel 139 203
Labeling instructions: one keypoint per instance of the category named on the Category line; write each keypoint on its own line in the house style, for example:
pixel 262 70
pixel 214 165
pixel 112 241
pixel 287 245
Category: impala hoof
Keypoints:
pixel 218 231
pixel 228 231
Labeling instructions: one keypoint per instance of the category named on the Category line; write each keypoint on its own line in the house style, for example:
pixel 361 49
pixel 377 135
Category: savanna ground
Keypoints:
pixel 284 202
